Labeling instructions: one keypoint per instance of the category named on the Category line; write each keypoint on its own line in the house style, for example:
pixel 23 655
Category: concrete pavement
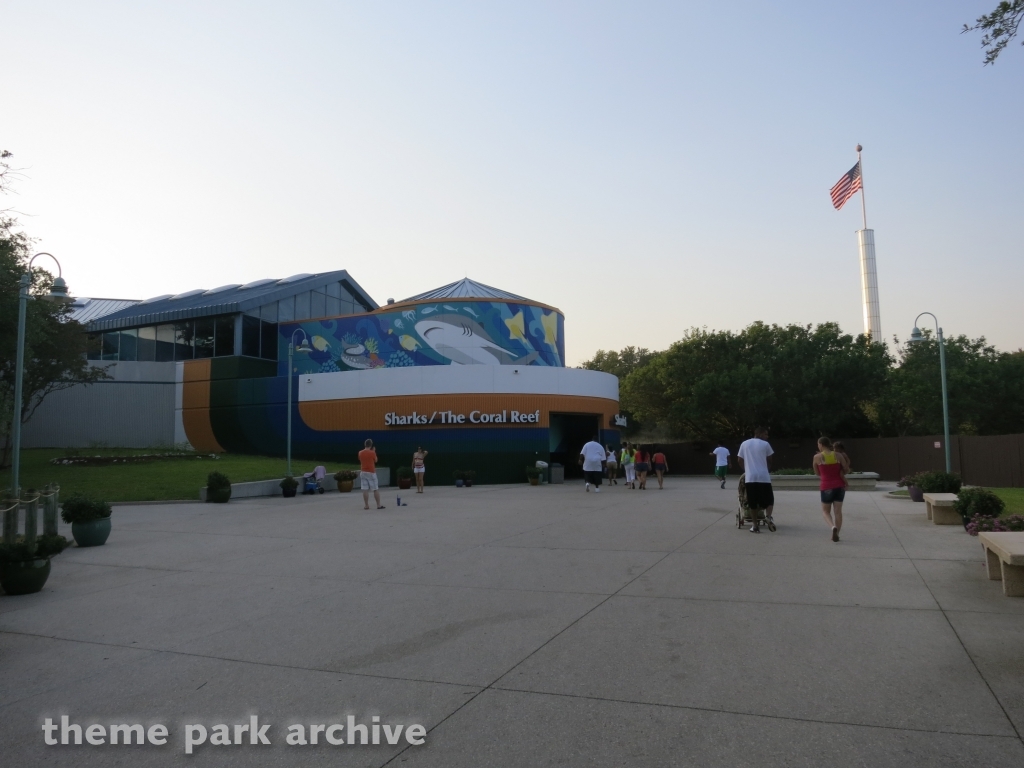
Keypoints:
pixel 525 626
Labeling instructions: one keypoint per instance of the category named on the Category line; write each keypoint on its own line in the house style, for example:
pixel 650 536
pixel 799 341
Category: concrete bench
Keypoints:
pixel 1004 557
pixel 940 509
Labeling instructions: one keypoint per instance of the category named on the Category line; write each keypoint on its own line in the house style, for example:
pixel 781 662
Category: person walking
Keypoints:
pixel 626 459
pixel 660 464
pixel 612 462
pixel 368 474
pixel 592 459
pixel 831 466
pixel 755 457
pixel 723 460
pixel 419 467
pixel 642 459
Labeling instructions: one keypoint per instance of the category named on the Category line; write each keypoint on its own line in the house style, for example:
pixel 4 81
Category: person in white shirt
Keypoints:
pixel 592 458
pixel 723 460
pixel 755 458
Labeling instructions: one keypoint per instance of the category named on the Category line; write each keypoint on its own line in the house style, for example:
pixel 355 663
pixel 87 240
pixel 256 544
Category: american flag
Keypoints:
pixel 846 187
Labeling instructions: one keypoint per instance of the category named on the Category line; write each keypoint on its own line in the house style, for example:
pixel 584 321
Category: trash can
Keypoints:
pixel 557 474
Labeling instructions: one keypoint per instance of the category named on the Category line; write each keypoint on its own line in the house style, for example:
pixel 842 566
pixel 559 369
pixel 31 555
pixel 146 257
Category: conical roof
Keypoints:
pixel 466 289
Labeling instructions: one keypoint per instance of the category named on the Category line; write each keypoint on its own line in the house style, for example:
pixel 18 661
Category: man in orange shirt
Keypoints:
pixel 368 475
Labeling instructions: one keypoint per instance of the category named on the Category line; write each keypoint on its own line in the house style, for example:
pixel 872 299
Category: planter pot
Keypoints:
pixel 459 483
pixel 91 534
pixel 289 493
pixel 916 494
pixel 534 481
pixel 26 577
pixel 219 496
pixel 404 483
pixel 469 483
pixel 345 486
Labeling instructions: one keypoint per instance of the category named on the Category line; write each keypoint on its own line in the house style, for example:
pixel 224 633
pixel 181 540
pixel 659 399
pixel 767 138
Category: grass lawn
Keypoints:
pixel 1014 498
pixel 179 478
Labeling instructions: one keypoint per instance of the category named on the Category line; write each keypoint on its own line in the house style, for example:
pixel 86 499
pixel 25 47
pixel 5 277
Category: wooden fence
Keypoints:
pixel 991 460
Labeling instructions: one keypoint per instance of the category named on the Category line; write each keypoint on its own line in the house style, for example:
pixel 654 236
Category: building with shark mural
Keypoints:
pixel 474 374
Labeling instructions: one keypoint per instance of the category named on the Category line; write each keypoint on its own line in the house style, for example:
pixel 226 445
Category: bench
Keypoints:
pixel 940 509
pixel 1004 557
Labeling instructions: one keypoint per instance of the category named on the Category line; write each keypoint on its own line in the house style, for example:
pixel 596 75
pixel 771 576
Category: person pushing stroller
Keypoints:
pixel 754 457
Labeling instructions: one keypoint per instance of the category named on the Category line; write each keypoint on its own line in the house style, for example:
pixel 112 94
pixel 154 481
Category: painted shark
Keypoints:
pixel 465 342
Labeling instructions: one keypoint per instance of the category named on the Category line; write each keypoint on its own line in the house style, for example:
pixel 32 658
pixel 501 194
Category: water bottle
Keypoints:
pixel 399 501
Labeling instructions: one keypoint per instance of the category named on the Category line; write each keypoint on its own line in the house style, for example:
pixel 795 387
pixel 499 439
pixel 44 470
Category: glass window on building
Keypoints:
pixel 302 306
pixel 164 343
pixel 94 346
pixel 129 345
pixel 250 336
pixel 224 336
pixel 110 346
pixel 204 337
pixel 286 310
pixel 147 344
pixel 317 304
pixel 268 312
pixel 184 333
pixel 333 306
pixel 268 340
pixel 333 290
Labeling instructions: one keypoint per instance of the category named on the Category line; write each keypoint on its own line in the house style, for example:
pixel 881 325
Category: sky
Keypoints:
pixel 646 167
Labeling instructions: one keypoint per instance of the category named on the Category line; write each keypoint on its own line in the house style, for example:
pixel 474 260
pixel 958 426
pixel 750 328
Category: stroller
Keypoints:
pixel 745 515
pixel 312 482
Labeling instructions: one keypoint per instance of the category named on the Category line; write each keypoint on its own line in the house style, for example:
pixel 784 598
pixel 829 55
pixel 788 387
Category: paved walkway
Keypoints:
pixel 526 627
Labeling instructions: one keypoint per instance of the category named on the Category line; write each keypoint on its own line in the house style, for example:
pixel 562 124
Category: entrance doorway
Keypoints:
pixel 567 434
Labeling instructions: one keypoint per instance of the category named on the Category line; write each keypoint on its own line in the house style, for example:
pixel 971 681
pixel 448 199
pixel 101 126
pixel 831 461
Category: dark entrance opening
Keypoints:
pixel 567 434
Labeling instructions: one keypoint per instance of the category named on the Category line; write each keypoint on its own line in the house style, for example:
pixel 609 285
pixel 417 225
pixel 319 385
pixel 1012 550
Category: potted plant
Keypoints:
pixel 975 503
pixel 404 478
pixel 218 488
pixel 24 568
pixel 533 475
pixel 460 478
pixel 89 519
pixel 345 478
pixel 910 483
pixel 468 476
pixel 939 482
pixel 288 487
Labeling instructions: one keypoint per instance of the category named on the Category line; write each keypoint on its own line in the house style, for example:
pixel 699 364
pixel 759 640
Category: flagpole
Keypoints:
pixel 863 205
pixel 868 273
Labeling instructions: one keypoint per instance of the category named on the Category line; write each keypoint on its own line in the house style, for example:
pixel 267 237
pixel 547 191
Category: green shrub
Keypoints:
pixel 981 502
pixel 216 480
pixel 938 482
pixel 532 472
pixel 469 475
pixel 459 474
pixel 793 471
pixel 290 483
pixel 343 475
pixel 404 473
pixel 20 552
pixel 79 508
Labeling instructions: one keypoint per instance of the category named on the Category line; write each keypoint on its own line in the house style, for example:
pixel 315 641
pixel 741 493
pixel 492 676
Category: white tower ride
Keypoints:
pixel 868 272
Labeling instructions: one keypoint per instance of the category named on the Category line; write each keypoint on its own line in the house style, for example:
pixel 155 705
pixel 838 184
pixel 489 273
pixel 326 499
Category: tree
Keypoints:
pixel 795 380
pixel 54 343
pixel 621 363
pixel 986 390
pixel 1000 27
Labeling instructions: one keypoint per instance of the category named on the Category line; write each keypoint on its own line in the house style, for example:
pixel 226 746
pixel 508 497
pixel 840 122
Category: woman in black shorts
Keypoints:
pixel 643 466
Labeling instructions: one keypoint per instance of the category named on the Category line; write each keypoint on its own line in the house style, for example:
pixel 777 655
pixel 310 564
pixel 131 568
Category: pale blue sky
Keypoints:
pixel 646 167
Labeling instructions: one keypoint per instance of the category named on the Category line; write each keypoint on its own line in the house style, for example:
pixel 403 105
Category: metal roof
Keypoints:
pixel 84 310
pixel 224 300
pixel 465 289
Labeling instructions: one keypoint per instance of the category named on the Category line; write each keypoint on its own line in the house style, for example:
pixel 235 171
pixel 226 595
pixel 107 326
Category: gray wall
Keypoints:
pixel 134 410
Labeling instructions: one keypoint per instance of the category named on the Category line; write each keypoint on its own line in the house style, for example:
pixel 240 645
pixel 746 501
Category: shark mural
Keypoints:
pixel 452 333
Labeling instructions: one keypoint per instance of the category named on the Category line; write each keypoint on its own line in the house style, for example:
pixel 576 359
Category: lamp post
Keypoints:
pixel 58 293
pixel 303 347
pixel 916 337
